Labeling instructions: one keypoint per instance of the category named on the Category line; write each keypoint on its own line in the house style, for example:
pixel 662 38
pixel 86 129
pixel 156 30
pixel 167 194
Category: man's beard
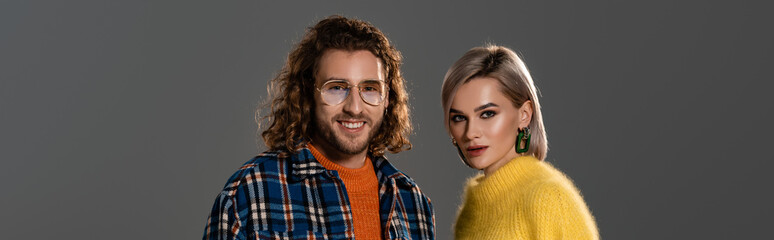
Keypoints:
pixel 342 143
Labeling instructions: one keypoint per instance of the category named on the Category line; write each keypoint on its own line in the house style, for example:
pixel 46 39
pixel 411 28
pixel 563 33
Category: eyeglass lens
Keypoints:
pixel 335 92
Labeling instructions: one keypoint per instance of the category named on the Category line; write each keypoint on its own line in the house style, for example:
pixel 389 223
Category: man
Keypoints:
pixel 337 105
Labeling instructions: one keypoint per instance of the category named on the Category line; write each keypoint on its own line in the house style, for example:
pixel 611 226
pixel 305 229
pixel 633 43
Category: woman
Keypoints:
pixel 493 116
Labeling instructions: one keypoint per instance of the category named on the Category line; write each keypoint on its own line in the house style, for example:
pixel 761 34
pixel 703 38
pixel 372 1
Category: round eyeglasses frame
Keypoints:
pixel 382 95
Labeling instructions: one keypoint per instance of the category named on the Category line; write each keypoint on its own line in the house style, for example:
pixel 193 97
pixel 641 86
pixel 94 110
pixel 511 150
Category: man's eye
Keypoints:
pixel 487 114
pixel 457 118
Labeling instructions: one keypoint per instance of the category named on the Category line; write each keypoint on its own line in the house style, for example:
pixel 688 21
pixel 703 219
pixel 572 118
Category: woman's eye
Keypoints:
pixel 457 118
pixel 487 114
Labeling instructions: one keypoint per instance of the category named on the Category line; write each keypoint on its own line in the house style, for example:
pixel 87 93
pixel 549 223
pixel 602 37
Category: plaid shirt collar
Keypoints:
pixel 304 165
pixel 254 198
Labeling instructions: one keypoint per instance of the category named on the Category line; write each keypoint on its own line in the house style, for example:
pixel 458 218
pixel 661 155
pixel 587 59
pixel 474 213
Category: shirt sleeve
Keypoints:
pixel 223 222
pixel 557 211
pixel 427 218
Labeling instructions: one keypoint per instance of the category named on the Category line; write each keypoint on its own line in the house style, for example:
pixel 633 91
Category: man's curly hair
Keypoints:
pixel 291 92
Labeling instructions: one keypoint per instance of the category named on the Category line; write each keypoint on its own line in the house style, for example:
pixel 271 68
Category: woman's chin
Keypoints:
pixel 477 163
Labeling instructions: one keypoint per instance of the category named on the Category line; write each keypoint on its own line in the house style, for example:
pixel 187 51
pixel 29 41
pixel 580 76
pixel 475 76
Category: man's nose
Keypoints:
pixel 353 104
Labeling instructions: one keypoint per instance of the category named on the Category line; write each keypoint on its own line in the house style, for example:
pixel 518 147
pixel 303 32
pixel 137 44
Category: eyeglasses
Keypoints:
pixel 334 92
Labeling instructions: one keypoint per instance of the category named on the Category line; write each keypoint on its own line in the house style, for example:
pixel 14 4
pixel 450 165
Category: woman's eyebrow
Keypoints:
pixel 482 107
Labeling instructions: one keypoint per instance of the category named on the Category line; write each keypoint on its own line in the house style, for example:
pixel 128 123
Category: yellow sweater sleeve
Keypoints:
pixel 557 211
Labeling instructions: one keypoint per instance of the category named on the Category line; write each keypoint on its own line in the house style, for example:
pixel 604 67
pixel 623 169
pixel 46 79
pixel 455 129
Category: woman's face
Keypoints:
pixel 485 123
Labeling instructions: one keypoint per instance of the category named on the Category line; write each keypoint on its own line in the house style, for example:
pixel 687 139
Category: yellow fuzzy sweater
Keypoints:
pixel 525 199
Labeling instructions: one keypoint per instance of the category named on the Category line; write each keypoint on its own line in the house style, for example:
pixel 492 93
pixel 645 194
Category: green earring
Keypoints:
pixel 524 135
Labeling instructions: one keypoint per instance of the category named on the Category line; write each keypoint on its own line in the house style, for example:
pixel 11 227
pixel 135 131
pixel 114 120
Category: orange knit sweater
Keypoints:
pixel 363 191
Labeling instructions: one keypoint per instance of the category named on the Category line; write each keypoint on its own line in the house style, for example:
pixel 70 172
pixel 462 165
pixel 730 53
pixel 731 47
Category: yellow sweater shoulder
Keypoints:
pixel 556 210
pixel 525 199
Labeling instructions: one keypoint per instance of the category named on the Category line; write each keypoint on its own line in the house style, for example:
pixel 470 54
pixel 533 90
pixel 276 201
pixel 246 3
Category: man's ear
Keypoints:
pixel 525 114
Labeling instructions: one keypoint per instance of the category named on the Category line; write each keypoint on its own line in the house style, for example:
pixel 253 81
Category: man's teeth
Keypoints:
pixel 352 125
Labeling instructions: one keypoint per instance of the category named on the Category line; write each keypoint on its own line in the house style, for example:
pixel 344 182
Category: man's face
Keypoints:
pixel 346 128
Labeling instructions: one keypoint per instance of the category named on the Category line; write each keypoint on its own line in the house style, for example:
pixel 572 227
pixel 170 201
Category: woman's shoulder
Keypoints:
pixel 553 175
pixel 536 172
pixel 555 204
pixel 552 183
pixel 554 193
pixel 555 190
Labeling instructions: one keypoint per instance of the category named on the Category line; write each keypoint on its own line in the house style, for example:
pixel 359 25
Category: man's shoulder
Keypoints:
pixel 267 158
pixel 265 163
pixel 417 210
pixel 385 169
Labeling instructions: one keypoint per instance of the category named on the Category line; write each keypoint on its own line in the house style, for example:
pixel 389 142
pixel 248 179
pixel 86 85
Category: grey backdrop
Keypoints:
pixel 123 120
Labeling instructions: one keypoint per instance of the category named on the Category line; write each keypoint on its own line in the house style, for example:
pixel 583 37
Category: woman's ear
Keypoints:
pixel 525 114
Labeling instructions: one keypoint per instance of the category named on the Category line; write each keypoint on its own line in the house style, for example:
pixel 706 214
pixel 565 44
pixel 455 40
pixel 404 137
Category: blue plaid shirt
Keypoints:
pixel 278 195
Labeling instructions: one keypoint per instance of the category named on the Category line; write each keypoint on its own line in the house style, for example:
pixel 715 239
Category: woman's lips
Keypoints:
pixel 478 150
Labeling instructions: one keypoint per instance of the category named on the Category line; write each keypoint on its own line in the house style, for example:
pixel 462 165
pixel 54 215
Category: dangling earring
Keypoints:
pixel 524 136
pixel 459 152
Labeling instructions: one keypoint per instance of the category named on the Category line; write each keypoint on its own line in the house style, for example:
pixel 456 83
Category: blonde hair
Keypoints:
pixel 503 64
